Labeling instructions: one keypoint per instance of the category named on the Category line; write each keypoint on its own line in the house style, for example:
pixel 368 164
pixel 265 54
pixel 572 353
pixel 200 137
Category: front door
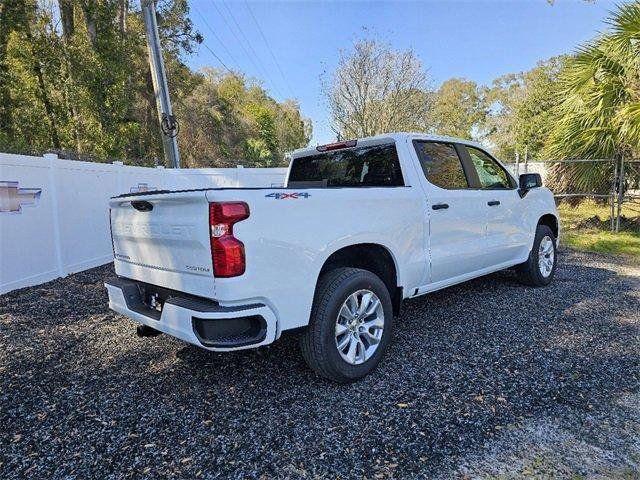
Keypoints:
pixel 456 221
pixel 507 232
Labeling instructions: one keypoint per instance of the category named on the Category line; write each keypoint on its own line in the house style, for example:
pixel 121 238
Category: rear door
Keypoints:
pixel 507 232
pixel 163 239
pixel 456 219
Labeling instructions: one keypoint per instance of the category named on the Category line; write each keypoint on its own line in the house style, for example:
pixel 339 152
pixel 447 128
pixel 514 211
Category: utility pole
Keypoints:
pixel 168 123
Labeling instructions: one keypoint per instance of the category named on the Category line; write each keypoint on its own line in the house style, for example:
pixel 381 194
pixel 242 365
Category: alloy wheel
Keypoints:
pixel 359 327
pixel 546 256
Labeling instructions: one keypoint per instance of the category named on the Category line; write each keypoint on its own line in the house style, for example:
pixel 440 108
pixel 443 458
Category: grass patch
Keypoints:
pixel 586 227
pixel 625 243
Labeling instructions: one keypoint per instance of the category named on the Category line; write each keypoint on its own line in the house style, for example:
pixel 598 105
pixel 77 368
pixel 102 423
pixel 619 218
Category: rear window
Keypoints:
pixel 374 166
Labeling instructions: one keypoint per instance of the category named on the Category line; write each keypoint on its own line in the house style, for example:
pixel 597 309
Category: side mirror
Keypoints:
pixel 529 181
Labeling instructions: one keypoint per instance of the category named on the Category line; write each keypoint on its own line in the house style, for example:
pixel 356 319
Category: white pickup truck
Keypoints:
pixel 359 227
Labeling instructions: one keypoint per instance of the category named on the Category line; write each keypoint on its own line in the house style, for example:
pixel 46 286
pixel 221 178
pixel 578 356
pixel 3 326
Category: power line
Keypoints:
pixel 261 67
pixel 218 58
pixel 269 48
pixel 204 20
pixel 246 52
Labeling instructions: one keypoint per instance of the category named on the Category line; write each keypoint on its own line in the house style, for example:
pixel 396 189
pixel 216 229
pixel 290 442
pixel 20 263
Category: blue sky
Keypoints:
pixel 479 40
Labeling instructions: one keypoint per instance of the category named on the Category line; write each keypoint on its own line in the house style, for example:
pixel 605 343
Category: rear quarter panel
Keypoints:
pixel 287 241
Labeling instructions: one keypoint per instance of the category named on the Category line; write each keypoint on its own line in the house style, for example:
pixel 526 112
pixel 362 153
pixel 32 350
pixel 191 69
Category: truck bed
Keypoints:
pixel 288 235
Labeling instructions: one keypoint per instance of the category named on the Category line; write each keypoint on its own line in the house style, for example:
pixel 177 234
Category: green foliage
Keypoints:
pixel 521 108
pixel 376 89
pixel 585 227
pixel 86 85
pixel 599 115
pixel 458 108
pixel 227 120
pixel 74 78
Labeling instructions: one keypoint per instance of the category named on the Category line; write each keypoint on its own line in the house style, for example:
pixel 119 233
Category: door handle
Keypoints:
pixel 493 203
pixel 440 206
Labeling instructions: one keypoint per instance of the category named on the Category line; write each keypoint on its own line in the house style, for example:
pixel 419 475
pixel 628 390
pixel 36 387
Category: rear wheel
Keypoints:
pixel 350 325
pixel 540 267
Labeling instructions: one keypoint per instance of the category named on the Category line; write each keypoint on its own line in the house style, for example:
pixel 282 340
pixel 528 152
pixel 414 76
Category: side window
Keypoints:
pixel 441 164
pixel 490 173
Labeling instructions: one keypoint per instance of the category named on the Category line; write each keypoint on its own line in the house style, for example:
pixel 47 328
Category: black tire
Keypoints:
pixel 318 342
pixel 529 272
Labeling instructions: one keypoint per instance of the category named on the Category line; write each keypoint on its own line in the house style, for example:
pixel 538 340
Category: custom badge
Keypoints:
pixel 142 187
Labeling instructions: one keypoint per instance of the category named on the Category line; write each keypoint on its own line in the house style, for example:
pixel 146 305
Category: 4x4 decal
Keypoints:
pixel 292 195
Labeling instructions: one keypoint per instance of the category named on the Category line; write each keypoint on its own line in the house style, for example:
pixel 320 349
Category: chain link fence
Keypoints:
pixel 615 182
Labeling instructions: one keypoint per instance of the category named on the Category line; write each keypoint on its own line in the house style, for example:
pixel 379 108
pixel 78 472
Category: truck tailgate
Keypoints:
pixel 163 239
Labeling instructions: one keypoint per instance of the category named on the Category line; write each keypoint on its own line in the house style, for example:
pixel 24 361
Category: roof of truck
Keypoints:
pixel 393 136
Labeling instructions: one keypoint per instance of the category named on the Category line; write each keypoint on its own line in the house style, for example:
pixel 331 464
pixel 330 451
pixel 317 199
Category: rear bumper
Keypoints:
pixel 197 321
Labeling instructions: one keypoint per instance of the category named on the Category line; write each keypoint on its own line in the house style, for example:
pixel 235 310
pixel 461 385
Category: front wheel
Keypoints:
pixel 540 267
pixel 350 327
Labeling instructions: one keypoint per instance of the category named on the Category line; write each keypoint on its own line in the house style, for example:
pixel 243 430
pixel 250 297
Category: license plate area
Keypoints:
pixel 152 300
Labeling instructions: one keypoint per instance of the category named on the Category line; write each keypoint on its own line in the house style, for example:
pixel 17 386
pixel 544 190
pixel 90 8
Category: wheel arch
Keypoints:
pixel 551 221
pixel 373 257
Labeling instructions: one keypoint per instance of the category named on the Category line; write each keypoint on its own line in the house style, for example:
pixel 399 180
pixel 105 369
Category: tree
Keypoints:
pixel 29 109
pixel 520 106
pixel 599 112
pixel 82 87
pixel 228 120
pixel 294 131
pixel 375 89
pixel 458 108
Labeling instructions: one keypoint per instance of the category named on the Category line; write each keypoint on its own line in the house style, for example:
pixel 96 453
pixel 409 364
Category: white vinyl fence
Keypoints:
pixel 54 213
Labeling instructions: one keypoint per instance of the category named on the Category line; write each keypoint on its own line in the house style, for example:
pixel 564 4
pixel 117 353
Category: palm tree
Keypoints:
pixel 599 115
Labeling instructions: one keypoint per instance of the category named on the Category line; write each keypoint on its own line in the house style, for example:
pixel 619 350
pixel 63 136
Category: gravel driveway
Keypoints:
pixel 488 378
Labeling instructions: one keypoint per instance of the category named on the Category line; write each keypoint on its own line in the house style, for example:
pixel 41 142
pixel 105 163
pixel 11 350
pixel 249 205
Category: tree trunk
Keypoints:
pixel 123 10
pixel 66 16
pixel 89 10
pixel 68 99
pixel 68 29
pixel 44 96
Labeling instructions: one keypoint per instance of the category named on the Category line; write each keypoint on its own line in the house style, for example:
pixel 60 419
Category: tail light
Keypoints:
pixel 227 252
pixel 337 146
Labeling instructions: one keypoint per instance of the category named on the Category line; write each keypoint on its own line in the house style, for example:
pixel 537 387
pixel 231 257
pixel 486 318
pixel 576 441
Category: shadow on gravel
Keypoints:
pixel 81 395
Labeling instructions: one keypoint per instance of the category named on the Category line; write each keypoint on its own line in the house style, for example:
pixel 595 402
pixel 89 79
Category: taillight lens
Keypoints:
pixel 227 252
